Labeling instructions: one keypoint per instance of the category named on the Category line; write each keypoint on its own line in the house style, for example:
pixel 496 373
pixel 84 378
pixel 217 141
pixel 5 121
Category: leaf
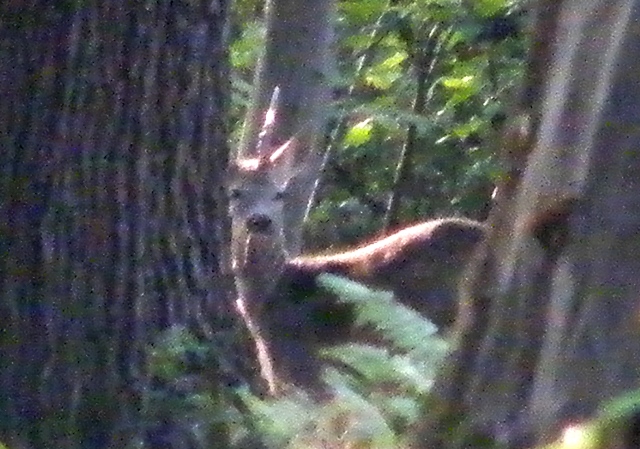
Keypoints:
pixel 367 426
pixel 466 129
pixel 360 12
pixel 384 74
pixel 359 134
pixel 458 83
pixel 460 88
pixel 403 326
pixel 283 419
pixel 244 52
pixel 488 8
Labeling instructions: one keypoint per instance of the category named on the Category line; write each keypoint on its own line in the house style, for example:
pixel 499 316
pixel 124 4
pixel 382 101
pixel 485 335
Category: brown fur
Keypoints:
pixel 288 317
pixel 395 250
pixel 421 264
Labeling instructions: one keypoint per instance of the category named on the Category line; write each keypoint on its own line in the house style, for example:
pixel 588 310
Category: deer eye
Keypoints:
pixel 279 196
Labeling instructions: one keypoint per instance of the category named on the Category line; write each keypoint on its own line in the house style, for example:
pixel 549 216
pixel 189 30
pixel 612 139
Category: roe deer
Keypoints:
pixel 288 317
pixel 257 188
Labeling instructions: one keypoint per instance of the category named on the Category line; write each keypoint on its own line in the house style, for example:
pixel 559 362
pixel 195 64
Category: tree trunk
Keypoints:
pixel 549 322
pixel 297 58
pixel 111 125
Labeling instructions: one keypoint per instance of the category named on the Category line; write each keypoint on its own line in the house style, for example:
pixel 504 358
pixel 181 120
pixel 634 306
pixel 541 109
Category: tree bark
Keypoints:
pixel 111 125
pixel 297 58
pixel 548 328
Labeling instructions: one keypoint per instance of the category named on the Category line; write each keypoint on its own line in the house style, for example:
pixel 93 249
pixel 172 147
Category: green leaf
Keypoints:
pixel 403 326
pixel 468 128
pixel 368 427
pixel 461 89
pixel 458 83
pixel 362 11
pixel 488 8
pixel 384 74
pixel 359 134
pixel 244 52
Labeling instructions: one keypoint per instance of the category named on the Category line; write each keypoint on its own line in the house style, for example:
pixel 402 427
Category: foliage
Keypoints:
pixel 376 387
pixel 192 394
pixel 615 425
pixel 382 48
pixel 464 59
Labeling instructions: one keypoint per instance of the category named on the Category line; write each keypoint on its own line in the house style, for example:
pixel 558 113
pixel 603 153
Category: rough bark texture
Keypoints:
pixel 550 308
pixel 111 126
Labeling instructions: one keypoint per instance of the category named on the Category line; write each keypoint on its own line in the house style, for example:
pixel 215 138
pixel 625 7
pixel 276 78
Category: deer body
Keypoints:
pixel 421 265
pixel 291 319
pixel 410 262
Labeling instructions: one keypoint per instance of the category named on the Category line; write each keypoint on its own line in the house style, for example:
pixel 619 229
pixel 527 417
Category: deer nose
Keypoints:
pixel 259 223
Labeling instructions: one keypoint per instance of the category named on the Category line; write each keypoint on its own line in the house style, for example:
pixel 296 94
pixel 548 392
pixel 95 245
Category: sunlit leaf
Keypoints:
pixel 488 8
pixel 466 129
pixel 384 74
pixel 359 134
pixel 395 60
pixel 458 83
pixel 362 11
pixel 244 52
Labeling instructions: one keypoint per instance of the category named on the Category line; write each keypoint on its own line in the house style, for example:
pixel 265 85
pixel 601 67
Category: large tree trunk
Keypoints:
pixel 549 325
pixel 111 126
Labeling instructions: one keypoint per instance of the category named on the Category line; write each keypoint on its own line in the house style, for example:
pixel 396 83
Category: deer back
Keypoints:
pixel 421 264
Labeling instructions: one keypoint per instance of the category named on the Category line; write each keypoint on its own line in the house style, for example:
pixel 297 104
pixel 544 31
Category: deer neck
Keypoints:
pixel 258 264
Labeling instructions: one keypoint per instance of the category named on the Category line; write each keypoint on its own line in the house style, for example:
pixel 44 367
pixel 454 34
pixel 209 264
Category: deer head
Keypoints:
pixel 257 189
pixel 257 192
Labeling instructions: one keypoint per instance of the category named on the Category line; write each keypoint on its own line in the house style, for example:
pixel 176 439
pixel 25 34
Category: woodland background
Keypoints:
pixel 117 121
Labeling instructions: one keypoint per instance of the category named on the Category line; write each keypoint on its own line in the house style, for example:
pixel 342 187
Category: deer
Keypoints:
pixel 256 188
pixel 290 319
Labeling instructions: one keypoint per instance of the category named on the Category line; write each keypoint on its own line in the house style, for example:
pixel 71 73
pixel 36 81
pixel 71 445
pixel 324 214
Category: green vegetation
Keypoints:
pixel 377 388
pixel 421 93
pixel 425 79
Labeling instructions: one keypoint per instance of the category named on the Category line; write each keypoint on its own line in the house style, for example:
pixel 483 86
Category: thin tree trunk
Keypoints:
pixel 338 127
pixel 424 64
pixel 297 58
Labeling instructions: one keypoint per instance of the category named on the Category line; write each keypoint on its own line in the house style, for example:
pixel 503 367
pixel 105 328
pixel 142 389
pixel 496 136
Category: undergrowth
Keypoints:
pixel 378 388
